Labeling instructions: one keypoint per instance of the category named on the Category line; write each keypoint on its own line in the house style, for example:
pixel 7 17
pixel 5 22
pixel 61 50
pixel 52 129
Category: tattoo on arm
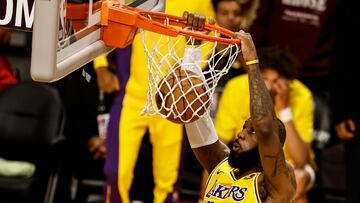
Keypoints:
pixel 292 179
pixel 292 176
pixel 279 161
pixel 275 159
pixel 278 164
pixel 260 100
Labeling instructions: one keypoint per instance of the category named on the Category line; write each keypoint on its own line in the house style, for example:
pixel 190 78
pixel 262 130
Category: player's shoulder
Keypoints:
pixel 300 89
pixel 237 82
pixel 196 6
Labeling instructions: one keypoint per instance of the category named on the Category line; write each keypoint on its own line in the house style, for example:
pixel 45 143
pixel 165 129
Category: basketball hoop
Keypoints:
pixel 117 19
pixel 171 62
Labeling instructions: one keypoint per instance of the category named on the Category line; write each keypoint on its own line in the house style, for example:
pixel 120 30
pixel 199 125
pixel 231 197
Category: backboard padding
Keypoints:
pixel 64 39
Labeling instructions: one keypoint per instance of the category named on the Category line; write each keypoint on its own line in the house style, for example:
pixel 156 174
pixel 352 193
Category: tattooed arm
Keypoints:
pixel 202 136
pixel 278 177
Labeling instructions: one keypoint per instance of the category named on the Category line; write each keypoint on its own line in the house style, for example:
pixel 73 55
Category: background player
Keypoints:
pixel 127 126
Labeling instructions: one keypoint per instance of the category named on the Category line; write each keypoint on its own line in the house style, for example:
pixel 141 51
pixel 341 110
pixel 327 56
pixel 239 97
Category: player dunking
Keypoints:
pixel 254 170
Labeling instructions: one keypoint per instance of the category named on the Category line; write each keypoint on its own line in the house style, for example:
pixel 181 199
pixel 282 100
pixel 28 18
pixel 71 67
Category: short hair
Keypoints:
pixel 215 3
pixel 279 59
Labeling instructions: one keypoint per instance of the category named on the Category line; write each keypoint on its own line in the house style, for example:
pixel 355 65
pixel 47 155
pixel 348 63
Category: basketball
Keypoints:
pixel 182 97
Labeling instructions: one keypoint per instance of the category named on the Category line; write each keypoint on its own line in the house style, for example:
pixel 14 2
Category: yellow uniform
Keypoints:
pixel 234 109
pixel 165 136
pixel 138 81
pixel 222 186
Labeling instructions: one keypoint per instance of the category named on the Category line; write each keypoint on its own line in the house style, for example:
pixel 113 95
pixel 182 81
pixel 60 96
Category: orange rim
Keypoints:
pixel 153 21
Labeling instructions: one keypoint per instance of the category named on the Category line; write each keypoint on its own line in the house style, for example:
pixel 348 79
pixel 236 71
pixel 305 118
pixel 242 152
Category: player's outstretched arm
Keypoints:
pixel 279 178
pixel 207 147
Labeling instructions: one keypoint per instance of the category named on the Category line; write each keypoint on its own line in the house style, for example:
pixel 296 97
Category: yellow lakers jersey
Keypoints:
pixel 222 186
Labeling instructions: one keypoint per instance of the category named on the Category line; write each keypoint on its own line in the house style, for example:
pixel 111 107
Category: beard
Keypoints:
pixel 245 160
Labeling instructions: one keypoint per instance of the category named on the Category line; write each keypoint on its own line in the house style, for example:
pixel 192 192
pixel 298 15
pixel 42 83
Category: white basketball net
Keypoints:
pixel 167 56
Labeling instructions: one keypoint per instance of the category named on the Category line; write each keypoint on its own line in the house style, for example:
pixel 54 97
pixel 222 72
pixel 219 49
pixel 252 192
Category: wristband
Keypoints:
pixel 201 132
pixel 285 115
pixel 311 173
pixel 100 61
pixel 252 62
pixel 192 59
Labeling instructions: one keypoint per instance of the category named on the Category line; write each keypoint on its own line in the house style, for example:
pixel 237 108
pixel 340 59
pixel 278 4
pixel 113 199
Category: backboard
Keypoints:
pixel 66 35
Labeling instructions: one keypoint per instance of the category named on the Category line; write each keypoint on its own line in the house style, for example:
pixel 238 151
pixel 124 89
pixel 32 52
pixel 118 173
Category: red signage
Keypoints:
pixel 17 14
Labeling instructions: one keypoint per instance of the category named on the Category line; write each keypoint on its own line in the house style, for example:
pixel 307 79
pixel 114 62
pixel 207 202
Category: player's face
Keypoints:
pixel 228 15
pixel 244 153
pixel 246 139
